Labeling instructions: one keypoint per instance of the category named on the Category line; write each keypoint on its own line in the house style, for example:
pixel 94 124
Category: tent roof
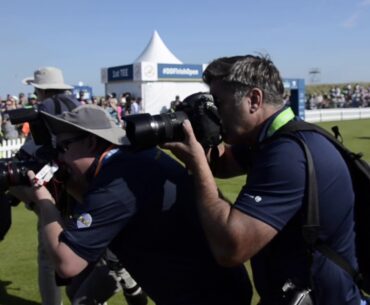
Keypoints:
pixel 156 51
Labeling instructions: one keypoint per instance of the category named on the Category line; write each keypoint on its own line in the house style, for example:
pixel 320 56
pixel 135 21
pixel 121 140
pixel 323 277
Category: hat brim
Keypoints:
pixel 114 135
pixel 31 81
pixel 27 80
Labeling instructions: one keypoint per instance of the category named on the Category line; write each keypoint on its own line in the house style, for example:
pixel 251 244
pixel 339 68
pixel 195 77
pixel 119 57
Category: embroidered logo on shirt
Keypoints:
pixel 255 198
pixel 84 221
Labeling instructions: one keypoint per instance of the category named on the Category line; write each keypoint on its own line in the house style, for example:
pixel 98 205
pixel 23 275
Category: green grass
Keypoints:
pixel 18 278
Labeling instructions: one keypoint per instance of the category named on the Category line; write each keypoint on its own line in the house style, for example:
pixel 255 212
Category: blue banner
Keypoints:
pixel 297 95
pixel 178 71
pixel 121 73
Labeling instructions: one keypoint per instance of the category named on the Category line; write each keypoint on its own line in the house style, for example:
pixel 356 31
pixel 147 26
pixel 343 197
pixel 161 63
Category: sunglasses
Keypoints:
pixel 63 146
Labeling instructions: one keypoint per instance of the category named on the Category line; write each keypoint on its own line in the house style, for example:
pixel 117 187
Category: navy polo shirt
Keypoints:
pixel 142 206
pixel 274 194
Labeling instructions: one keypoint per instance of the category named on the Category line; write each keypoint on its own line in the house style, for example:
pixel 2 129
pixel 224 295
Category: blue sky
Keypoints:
pixel 82 36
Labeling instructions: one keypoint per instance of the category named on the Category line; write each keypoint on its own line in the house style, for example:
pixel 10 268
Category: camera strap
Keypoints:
pixel 98 162
pixel 106 154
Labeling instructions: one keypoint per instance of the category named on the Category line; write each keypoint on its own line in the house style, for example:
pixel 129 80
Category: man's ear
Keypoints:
pixel 256 96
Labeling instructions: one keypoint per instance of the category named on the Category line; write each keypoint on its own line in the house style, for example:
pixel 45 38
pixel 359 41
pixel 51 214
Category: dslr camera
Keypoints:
pixel 13 171
pixel 39 131
pixel 145 131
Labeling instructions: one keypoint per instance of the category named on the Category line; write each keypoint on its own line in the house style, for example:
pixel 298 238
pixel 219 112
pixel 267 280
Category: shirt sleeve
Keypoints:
pixel 275 186
pixel 99 219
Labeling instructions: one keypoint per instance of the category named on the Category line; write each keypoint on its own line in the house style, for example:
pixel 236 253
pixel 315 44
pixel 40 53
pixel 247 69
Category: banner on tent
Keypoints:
pixel 121 73
pixel 179 71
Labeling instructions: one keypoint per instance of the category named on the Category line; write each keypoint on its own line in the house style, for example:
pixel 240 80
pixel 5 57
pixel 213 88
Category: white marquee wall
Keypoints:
pixel 156 96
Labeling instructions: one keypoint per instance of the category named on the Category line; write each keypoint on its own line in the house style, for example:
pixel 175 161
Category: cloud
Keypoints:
pixel 365 3
pixel 352 21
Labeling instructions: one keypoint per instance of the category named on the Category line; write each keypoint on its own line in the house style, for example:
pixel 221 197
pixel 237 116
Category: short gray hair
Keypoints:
pixel 246 72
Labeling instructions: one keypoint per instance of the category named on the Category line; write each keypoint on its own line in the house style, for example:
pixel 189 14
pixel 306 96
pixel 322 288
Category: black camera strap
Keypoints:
pixel 311 216
pixel 311 225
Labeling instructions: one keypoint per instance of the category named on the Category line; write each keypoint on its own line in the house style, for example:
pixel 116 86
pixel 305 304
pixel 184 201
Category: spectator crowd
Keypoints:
pixel 348 96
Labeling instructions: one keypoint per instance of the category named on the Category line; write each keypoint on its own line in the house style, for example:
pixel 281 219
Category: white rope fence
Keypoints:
pixel 9 147
pixel 338 114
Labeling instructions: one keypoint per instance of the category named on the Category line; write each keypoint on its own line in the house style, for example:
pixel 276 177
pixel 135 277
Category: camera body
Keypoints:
pixel 145 130
pixel 13 172
pixel 39 131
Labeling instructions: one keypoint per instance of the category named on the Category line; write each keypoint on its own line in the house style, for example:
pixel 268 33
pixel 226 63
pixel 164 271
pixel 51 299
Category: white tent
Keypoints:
pixel 157 76
pixel 157 51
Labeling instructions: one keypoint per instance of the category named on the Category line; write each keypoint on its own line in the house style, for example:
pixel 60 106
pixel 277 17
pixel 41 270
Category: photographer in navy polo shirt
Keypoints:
pixel 139 204
pixel 265 223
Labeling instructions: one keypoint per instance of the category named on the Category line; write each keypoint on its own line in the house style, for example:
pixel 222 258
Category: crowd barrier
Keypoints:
pixel 9 147
pixel 337 114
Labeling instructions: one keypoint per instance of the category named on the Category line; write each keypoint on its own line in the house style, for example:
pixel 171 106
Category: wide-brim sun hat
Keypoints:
pixel 47 78
pixel 87 118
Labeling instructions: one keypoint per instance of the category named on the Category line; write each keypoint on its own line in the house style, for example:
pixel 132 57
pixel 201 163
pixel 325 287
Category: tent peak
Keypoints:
pixel 156 51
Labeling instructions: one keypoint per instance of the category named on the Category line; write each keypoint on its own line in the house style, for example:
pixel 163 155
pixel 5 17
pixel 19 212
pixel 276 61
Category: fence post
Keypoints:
pixel 8 148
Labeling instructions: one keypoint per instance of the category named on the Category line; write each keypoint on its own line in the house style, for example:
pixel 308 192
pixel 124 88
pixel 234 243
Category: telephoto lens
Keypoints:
pixel 145 131
pixel 131 290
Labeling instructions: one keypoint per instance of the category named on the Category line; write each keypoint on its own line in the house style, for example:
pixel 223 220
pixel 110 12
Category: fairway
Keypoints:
pixel 18 277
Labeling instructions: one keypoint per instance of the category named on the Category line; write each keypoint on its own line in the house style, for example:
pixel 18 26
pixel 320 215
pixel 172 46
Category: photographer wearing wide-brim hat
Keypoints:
pixel 51 90
pixel 56 98
pixel 85 122
pixel 91 122
pixel 48 78
pixel 138 204
pixel 53 96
